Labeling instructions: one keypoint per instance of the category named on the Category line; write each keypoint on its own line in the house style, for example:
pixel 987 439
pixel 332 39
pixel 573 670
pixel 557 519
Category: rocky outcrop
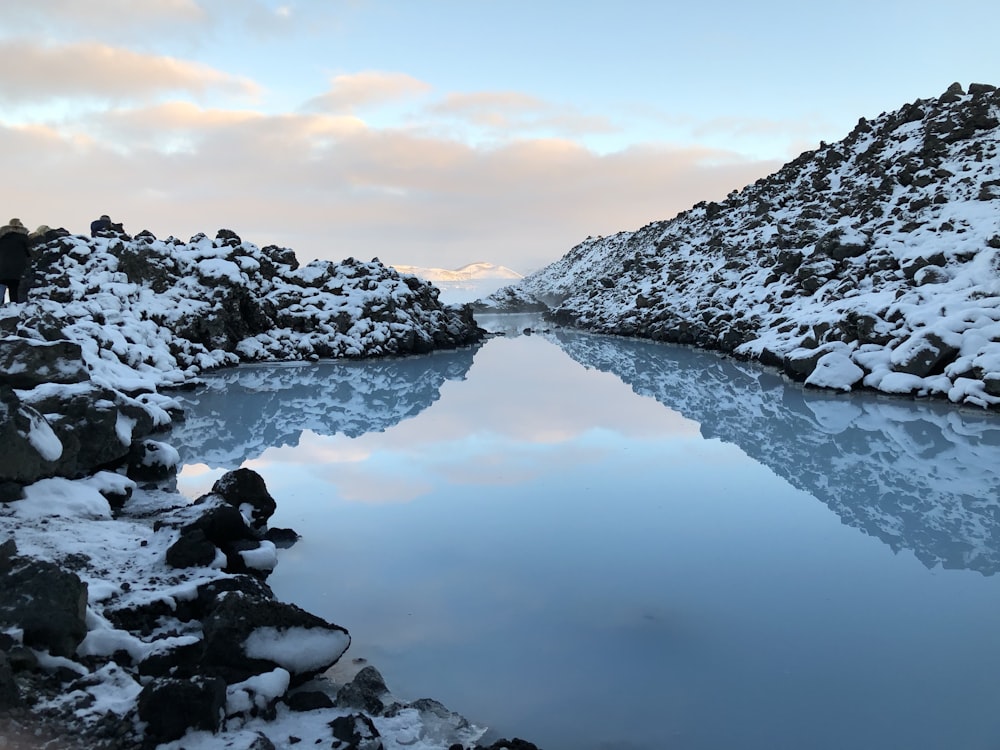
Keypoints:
pixel 177 306
pixel 884 246
pixel 45 602
pixel 55 421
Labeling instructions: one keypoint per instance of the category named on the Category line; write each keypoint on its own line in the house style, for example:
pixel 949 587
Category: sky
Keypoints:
pixel 443 132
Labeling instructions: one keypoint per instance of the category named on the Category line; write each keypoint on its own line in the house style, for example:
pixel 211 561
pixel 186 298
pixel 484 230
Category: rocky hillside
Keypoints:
pixel 872 262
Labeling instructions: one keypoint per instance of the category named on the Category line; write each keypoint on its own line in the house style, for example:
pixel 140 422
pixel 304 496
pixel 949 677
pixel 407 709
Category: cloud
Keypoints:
pixel 100 71
pixel 352 91
pixel 513 111
pixel 103 16
pixel 330 186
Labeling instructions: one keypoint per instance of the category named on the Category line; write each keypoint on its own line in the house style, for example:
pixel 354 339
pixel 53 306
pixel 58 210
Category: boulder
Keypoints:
pixel 364 692
pixel 30 446
pixel 10 694
pixel 170 707
pixel 308 700
pixel 355 732
pixel 46 602
pixel 923 354
pixel 151 460
pixel 244 636
pixel 800 363
pixel 245 488
pixel 27 363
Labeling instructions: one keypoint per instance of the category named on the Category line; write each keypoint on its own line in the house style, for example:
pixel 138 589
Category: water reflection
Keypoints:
pixel 918 476
pixel 578 566
pixel 240 413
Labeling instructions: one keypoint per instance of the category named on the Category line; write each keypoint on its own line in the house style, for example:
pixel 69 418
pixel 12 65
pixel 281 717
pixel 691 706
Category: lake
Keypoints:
pixel 602 544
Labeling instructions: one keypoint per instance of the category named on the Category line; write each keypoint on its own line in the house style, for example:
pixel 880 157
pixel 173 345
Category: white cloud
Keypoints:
pixel 510 112
pixel 349 92
pixel 92 70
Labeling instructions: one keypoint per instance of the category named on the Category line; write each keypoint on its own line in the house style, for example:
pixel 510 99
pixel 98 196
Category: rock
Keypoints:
pixel 282 538
pixel 29 452
pixel 308 700
pixel 364 692
pixel 241 634
pixel 46 602
pixel 66 434
pixel 355 732
pixel 10 694
pixel 170 707
pixel 180 662
pixel 27 363
pixel 922 354
pixel 835 246
pixel 151 460
pixel 800 363
pixel 953 94
pixel 245 487
pixel 10 491
pixel 192 549
pixel 505 744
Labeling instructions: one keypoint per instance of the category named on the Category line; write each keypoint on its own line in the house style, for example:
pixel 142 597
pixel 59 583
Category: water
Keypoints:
pixel 595 543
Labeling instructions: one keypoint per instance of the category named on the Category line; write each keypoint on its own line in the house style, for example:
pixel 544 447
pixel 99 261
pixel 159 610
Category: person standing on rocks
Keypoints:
pixel 103 224
pixel 14 255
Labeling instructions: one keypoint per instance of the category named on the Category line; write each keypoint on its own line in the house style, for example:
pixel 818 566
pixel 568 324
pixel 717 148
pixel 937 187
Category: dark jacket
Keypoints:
pixel 100 225
pixel 14 255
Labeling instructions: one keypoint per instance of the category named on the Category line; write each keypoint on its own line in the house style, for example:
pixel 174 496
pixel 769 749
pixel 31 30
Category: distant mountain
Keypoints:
pixel 872 262
pixel 471 272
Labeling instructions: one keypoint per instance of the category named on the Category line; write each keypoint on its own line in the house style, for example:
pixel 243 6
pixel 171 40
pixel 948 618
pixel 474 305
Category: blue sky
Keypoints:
pixel 443 132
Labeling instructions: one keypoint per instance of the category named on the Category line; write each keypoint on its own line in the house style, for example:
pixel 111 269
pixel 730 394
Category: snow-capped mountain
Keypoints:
pixel 465 284
pixel 468 272
pixel 872 262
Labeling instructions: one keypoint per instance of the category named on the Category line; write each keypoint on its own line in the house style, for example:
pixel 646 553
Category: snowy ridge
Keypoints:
pixel 276 403
pixel 905 484
pixel 468 272
pixel 872 262
pixel 152 312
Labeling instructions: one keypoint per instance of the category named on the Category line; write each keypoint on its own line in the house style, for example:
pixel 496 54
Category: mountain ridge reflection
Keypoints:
pixel 238 414
pixel 921 476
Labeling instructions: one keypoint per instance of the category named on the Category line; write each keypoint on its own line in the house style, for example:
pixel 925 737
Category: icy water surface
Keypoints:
pixel 599 544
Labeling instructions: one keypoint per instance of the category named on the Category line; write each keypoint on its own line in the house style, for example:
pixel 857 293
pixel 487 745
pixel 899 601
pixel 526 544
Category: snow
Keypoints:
pixel 835 370
pixel 43 439
pixel 297 649
pixel 256 692
pixel 58 497
pixel 265 557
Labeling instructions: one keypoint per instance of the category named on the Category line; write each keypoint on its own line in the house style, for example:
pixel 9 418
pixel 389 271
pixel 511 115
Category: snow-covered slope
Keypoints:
pixel 151 312
pixel 872 262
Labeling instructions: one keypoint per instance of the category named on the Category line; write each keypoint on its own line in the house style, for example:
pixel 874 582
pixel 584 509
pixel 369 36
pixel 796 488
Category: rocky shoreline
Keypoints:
pixel 131 617
pixel 870 263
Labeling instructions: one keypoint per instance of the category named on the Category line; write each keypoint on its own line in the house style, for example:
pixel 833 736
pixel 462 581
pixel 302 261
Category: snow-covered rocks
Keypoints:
pixel 169 309
pixel 886 243
pixel 127 651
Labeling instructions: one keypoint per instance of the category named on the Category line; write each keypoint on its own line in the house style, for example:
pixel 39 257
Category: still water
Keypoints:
pixel 599 544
